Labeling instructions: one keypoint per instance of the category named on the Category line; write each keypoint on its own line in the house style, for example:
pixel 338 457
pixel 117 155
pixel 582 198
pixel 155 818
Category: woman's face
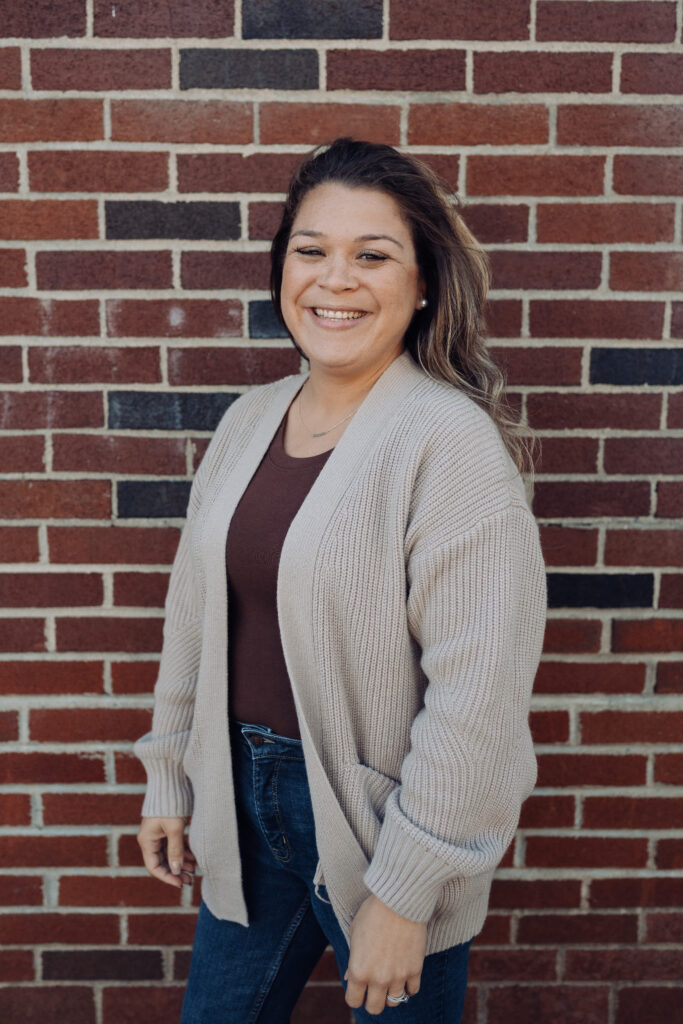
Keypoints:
pixel 350 282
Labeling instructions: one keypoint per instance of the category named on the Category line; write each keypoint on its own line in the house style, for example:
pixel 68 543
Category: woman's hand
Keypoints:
pixel 386 953
pixel 165 850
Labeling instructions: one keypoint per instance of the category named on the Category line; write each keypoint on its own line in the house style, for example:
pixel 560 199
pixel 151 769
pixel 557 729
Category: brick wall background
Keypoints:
pixel 144 148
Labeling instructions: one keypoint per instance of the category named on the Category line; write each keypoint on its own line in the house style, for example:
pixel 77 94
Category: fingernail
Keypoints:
pixel 175 867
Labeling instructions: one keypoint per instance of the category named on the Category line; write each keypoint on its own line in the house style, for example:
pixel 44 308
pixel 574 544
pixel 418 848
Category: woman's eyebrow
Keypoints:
pixel 361 238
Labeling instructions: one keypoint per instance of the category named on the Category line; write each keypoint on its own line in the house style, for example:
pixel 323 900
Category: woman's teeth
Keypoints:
pixel 339 314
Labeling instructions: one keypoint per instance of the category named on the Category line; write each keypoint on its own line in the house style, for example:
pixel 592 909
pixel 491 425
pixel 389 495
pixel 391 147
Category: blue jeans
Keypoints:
pixel 245 975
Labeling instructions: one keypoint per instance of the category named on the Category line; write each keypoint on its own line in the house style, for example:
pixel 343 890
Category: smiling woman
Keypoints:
pixel 354 622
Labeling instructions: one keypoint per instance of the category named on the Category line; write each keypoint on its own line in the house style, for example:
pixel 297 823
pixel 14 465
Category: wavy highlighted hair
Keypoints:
pixel 448 337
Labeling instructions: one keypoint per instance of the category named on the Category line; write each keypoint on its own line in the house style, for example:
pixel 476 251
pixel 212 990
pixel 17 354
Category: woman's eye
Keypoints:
pixel 372 257
pixel 309 252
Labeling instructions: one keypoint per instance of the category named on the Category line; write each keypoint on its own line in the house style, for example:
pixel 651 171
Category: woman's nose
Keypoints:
pixel 337 274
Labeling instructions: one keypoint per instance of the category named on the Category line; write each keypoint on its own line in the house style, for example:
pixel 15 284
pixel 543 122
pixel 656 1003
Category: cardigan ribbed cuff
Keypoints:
pixel 169 791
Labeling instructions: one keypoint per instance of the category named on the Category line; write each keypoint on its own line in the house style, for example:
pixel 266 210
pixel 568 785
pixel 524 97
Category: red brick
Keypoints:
pixel 669 854
pixel 675 414
pixel 518 893
pixel 52 676
pixel 491 222
pixel 546 270
pixel 264 219
pixel 651 73
pixel 671 590
pixel 113 544
pixel 554 500
pixel 91 171
pixel 129 851
pixel 140 589
pixel 110 891
pixel 648 635
pixel 134 676
pixel 71 317
pixel 205 18
pixel 17 965
pixel 53 851
pixel 568 545
pixel 9 172
pixel 18 544
pixel 109 634
pixel 82 365
pixel 626 411
pixel 591 770
pixel 473 124
pixel 596 223
pixel 635 892
pixel 669 769
pixel 53 120
pixel 646 271
pixel 312 123
pixel 45 928
pixel 664 928
pixel 22 453
pixel 69 725
pixel 10 67
pixel 585 318
pixel 37 20
pixel 416 70
pixel 173 318
pixel 647 1005
pixel 61 499
pixel 22 635
pixel 48 1002
pixel 232 172
pixel 458 19
pixel 525 71
pixel 644 547
pixel 548 812
pixel 496 931
pixel 670 500
pixel 175 929
pixel 129 770
pixel 601 22
pixel 91 809
pixel 571 1004
pixel 100 70
pixel 584 852
pixel 16 890
pixel 230 365
pixel 504 319
pixel 648 175
pixel 631 726
pixel 9 726
pixel 13 268
pixel 225 270
pixel 669 677
pixel 25 219
pixel 632 813
pixel 127 1004
pixel 199 447
pixel 50 589
pixel 512 964
pixel 589 677
pixel 576 928
pixel 618 125
pixel 622 964
pixel 51 409
pixel 567 455
pixel 99 453
pixel 549 726
pixel 15 808
pixel 205 121
pixel 572 636
pixel 11 371
pixel 103 270
pixel 37 768
pixel 535 175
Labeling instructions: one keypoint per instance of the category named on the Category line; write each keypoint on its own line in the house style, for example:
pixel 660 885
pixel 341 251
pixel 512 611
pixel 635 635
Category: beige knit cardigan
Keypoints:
pixel 411 601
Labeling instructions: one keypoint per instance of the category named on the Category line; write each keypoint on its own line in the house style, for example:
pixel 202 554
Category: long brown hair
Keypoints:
pixel 447 338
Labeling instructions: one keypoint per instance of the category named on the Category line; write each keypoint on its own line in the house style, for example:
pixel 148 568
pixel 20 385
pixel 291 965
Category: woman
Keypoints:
pixel 355 758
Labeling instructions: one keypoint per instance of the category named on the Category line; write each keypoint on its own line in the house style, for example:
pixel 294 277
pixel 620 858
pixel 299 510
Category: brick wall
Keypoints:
pixel 144 148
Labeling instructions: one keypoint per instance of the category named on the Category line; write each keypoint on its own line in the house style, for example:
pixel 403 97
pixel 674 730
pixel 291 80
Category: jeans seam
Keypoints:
pixel 262 994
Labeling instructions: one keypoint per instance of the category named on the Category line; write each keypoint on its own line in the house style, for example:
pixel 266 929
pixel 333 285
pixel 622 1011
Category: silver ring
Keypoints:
pixel 403 998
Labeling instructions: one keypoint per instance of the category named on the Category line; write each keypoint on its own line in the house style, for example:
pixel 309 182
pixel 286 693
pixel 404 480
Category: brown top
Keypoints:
pixel 259 689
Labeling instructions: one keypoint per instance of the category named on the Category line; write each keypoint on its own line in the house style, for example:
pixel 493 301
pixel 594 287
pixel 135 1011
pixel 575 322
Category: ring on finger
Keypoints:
pixel 403 998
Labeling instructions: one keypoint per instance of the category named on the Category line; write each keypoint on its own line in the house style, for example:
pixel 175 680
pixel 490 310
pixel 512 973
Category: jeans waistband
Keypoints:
pixel 262 739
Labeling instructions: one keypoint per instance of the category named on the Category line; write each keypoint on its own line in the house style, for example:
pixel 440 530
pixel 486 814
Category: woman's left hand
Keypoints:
pixel 386 953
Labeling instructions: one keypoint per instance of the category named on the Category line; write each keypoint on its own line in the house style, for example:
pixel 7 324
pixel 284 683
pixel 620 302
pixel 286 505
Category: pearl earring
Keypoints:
pixel 423 303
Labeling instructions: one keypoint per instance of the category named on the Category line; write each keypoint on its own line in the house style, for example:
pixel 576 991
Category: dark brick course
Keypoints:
pixel 595 590
pixel 155 219
pixel 636 366
pixel 312 19
pixel 262 321
pixel 93 964
pixel 248 69
pixel 154 410
pixel 152 499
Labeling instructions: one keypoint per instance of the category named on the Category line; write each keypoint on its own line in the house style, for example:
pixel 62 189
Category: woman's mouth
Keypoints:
pixel 337 316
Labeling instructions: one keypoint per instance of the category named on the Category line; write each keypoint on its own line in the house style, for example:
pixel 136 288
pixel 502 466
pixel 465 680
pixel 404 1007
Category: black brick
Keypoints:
pixel 152 219
pixel 592 590
pixel 248 69
pixel 143 499
pixel 636 366
pixel 262 321
pixel 91 964
pixel 154 410
pixel 312 19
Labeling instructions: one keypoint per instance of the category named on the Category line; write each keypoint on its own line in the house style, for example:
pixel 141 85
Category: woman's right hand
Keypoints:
pixel 165 850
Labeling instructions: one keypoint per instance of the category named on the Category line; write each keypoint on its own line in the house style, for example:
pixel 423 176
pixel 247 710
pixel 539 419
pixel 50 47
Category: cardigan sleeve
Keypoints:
pixel 476 606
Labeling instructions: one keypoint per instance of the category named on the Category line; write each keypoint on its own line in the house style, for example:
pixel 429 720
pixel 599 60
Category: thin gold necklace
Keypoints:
pixel 319 433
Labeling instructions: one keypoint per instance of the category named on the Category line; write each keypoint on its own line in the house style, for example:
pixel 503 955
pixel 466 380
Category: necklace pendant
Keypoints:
pixel 320 433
